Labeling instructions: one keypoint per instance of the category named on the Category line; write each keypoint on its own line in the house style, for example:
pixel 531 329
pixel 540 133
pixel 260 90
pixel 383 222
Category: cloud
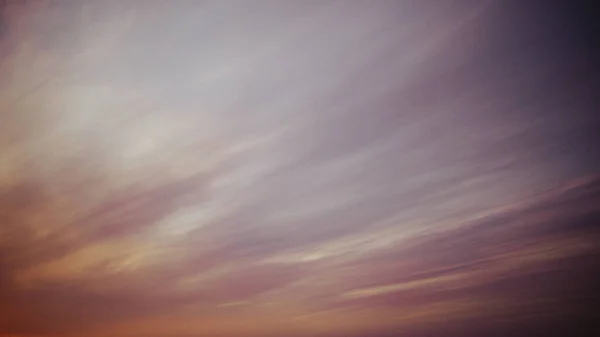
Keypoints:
pixel 263 169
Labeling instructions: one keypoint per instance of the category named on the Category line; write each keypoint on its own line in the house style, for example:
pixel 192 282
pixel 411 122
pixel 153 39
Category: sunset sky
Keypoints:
pixel 295 168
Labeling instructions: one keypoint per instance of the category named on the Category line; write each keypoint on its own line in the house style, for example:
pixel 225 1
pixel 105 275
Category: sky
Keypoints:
pixel 297 168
